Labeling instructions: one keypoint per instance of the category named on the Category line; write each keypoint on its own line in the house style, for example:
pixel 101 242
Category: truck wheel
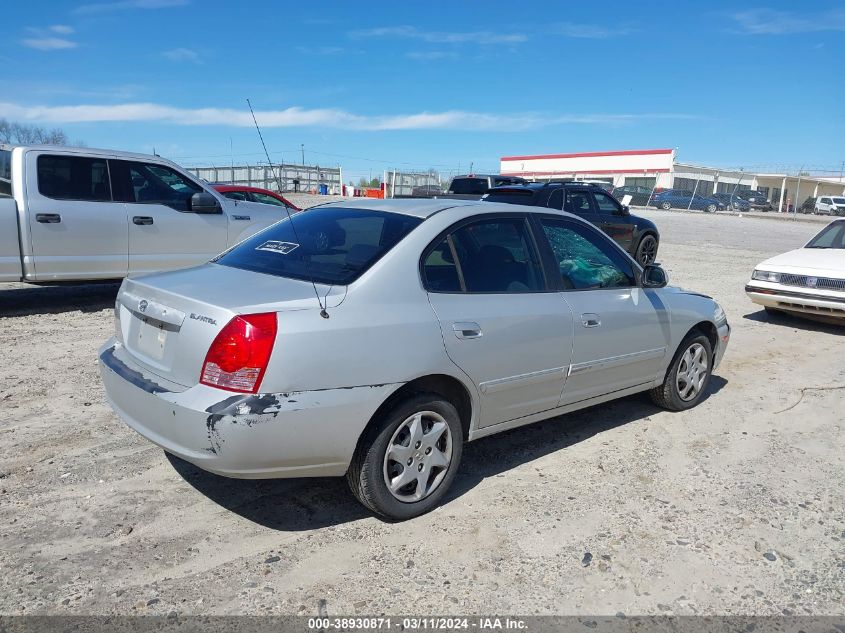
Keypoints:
pixel 407 460
pixel 688 376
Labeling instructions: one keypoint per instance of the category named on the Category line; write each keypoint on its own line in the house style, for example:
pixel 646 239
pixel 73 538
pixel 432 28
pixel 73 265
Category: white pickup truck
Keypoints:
pixel 72 214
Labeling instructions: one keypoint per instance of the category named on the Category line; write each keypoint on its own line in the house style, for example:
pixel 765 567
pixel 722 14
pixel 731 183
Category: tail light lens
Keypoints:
pixel 238 357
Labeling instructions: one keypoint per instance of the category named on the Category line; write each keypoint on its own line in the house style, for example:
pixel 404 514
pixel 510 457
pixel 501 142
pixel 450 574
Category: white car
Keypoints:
pixel 830 205
pixel 809 280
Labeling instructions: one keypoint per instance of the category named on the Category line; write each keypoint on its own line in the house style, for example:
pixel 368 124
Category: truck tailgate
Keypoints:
pixel 10 251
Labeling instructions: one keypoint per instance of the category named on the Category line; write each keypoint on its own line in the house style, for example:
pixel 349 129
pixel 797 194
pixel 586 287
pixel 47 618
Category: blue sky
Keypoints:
pixel 379 85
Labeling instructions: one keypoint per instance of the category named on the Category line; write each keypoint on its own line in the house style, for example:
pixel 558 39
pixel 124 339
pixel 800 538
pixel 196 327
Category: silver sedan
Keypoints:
pixel 372 339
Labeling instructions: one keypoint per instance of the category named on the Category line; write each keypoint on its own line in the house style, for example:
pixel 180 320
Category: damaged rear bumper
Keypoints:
pixel 249 436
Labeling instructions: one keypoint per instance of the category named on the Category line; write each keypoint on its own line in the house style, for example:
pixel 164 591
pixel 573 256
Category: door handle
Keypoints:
pixel 588 319
pixel 142 220
pixel 466 329
pixel 48 218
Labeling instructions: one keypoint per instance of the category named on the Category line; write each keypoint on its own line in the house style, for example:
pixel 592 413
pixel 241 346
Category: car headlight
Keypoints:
pixel 765 275
pixel 719 315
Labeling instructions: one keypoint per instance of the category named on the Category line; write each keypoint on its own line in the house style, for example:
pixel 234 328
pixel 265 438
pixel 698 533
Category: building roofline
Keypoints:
pixel 627 152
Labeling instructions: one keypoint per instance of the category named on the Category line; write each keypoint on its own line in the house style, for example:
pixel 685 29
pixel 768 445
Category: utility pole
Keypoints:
pixel 302 146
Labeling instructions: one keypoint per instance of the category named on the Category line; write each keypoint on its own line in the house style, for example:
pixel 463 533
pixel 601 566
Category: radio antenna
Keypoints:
pixel 323 312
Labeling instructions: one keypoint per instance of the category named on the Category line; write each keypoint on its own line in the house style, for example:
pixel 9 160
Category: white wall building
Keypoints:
pixel 659 168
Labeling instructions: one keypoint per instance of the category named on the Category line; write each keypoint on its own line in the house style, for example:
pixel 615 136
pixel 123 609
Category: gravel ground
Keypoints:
pixel 734 507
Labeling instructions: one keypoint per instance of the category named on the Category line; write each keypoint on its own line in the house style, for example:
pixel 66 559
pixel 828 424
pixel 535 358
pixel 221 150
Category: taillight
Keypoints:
pixel 238 357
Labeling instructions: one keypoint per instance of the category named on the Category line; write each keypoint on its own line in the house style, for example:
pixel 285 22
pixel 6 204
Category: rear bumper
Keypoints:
pixel 792 301
pixel 296 434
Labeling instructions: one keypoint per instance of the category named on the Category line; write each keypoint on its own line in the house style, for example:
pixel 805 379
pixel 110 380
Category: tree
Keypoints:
pixel 23 134
pixel 373 183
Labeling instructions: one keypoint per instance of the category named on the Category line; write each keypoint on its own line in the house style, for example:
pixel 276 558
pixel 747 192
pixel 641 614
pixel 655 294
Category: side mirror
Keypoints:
pixel 654 276
pixel 204 202
pixel 625 210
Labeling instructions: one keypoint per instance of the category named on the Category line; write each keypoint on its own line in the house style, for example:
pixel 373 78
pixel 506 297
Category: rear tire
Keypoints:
pixel 646 250
pixel 711 208
pixel 688 376
pixel 665 206
pixel 397 448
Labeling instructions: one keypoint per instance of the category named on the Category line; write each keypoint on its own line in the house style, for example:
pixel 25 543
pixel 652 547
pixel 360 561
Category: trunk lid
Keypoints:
pixel 167 321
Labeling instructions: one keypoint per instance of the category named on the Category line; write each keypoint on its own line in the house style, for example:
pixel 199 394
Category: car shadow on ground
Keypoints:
pixel 32 300
pixel 809 323
pixel 293 505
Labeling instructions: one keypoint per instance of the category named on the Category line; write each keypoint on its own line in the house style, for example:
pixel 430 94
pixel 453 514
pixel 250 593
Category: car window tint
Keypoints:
pixel 497 256
pixel 440 270
pixel 235 195
pixel 331 245
pixel 469 186
pixel 586 259
pixel 578 202
pixel 73 178
pixel 606 203
pixel 556 199
pixel 156 184
pixel 263 198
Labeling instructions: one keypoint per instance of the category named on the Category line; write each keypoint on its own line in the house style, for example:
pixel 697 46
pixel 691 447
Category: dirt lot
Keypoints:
pixel 735 507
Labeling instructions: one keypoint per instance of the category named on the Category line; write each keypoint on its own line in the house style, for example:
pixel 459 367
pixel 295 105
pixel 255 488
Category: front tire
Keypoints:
pixel 406 461
pixel 646 250
pixel 711 208
pixel 688 376
pixel 665 206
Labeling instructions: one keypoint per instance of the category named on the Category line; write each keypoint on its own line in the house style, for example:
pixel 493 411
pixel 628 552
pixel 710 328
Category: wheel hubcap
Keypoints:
pixel 418 456
pixel 692 372
pixel 648 250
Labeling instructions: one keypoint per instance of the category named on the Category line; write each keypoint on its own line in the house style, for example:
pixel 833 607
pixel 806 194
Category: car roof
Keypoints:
pixel 426 207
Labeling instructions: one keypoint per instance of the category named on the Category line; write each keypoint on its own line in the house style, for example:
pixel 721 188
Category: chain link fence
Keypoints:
pixel 292 178
pixel 407 184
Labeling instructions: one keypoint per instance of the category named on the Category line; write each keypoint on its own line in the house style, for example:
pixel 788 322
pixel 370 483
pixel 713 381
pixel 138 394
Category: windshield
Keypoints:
pixel 5 173
pixel 332 246
pixel 831 236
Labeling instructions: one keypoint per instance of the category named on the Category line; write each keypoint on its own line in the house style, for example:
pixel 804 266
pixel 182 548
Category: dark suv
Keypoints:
pixel 636 235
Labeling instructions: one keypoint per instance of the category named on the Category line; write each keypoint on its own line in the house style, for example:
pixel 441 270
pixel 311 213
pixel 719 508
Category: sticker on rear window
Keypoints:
pixel 283 248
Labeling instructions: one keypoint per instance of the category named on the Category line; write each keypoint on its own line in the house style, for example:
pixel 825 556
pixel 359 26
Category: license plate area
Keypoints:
pixel 152 338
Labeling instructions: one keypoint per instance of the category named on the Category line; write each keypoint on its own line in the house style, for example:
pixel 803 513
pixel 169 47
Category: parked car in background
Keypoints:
pixel 685 199
pixel 640 196
pixel 757 199
pixel 473 186
pixel 255 194
pixel 638 236
pixel 808 206
pixel 732 201
pixel 72 214
pixel 427 191
pixel 474 318
pixel 808 281
pixel 830 205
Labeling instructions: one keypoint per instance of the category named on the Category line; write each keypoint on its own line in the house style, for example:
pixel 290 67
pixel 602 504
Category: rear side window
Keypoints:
pixel 263 198
pixel 469 186
pixel 5 173
pixel 332 246
pixel 556 199
pixel 73 178
pixel 235 195
pixel 488 256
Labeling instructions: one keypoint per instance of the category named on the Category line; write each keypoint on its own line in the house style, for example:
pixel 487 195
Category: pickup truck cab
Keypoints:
pixel 75 214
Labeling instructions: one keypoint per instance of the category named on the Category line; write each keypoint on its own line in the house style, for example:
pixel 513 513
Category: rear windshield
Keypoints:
pixel 469 186
pixel 5 173
pixel 332 246
pixel 510 195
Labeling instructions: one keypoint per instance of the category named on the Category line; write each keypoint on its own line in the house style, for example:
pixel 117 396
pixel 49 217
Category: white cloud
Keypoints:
pixel 123 5
pixel 48 43
pixel 183 55
pixel 322 117
pixel 588 31
pixel 774 22
pixel 440 37
pixel 62 29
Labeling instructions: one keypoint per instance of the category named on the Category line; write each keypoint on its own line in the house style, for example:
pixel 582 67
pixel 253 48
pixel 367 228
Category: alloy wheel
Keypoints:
pixel 692 372
pixel 648 250
pixel 418 456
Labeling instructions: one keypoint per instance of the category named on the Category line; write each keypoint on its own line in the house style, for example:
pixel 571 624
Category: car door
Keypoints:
pixel 77 230
pixel 163 232
pixel 621 330
pixel 500 323
pixel 613 220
